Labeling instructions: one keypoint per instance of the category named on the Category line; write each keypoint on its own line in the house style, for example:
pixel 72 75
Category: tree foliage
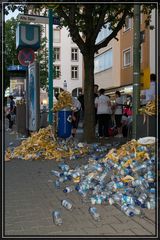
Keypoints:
pixel 11 53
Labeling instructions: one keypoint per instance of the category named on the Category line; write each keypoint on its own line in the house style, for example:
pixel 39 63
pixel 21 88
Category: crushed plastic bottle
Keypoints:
pixel 55 173
pixel 151 204
pixel 94 213
pixel 127 210
pixel 68 189
pixel 68 205
pixel 63 167
pixel 57 184
pixel 57 217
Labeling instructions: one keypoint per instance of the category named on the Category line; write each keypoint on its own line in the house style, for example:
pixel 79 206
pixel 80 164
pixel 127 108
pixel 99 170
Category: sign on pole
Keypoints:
pixel 145 79
pixel 33 96
pixel 26 56
pixel 28 36
pixel 37 19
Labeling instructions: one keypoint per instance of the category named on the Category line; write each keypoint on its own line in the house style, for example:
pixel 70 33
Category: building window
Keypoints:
pixel 104 33
pixel 56 36
pixel 74 72
pixel 126 57
pixel 74 54
pixel 127 24
pixel 56 54
pixel 103 61
pixel 57 72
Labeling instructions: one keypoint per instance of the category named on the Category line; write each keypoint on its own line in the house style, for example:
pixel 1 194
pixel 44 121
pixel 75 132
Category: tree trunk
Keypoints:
pixel 89 109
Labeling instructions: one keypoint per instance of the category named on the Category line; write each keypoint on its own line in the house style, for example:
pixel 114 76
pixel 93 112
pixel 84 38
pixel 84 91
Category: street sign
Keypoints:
pixel 16 68
pixel 28 36
pixel 145 79
pixel 37 19
pixel 26 56
pixel 33 96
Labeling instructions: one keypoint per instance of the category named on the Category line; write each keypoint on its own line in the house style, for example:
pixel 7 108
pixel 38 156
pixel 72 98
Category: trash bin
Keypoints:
pixel 43 118
pixel 21 118
pixel 64 123
pixel 146 128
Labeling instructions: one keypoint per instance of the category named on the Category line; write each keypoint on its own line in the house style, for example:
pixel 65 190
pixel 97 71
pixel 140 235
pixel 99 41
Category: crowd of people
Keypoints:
pixel 113 116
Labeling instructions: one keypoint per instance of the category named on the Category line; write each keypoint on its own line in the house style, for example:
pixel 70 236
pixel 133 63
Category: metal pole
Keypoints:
pixel 27 106
pixel 136 69
pixel 50 66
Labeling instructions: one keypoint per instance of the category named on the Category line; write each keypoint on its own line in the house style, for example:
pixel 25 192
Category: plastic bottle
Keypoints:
pixel 140 168
pixel 94 213
pixel 151 204
pixel 137 182
pixel 68 189
pixel 136 210
pixel 117 197
pixel 128 211
pixel 127 199
pixel 82 193
pixel 111 200
pixel 57 184
pixel 57 218
pixel 97 199
pixel 55 173
pixel 75 175
pixel 67 204
pixel 141 199
pixel 63 167
pixel 63 179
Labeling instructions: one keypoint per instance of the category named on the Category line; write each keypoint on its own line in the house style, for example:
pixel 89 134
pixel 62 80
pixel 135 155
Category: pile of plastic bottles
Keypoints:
pixel 124 177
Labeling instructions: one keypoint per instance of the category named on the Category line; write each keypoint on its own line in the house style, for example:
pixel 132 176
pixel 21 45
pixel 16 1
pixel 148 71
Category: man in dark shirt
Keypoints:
pixel 12 112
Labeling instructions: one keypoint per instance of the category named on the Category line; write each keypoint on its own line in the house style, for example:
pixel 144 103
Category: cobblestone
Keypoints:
pixel 30 200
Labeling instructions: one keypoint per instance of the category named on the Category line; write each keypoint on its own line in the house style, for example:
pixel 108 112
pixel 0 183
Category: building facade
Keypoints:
pixel 107 62
pixel 67 62
pixel 118 74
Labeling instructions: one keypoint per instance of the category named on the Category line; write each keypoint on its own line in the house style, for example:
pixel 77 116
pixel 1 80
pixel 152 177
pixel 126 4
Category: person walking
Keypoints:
pixel 149 94
pixel 102 103
pixel 12 113
pixel 95 96
pixel 75 115
pixel 81 100
pixel 118 110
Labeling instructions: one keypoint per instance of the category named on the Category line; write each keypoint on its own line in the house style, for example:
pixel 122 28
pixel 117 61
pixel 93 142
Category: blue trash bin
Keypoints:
pixel 64 123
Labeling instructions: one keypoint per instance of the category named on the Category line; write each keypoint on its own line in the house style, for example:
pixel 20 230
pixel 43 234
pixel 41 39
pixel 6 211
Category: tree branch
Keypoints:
pixel 73 29
pixel 113 34
pixel 100 22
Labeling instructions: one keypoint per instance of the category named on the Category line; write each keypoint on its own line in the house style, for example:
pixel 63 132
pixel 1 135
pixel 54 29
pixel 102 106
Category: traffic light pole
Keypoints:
pixel 136 69
pixel 50 66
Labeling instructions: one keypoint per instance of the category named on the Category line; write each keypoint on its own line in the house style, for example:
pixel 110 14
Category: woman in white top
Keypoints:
pixel 118 113
pixel 102 104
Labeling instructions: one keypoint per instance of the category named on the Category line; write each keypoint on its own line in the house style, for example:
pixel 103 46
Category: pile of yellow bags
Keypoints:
pixel 149 109
pixel 64 100
pixel 43 145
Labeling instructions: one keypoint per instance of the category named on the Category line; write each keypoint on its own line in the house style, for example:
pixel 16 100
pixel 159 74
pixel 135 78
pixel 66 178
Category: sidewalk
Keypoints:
pixel 30 197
